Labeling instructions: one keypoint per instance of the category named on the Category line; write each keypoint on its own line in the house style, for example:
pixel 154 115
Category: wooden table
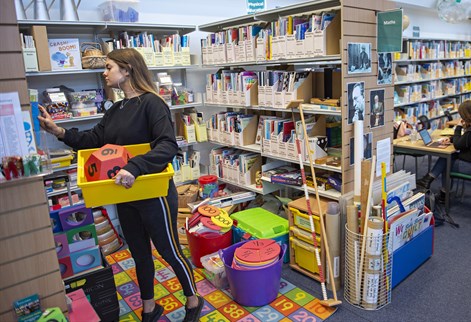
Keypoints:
pixel 404 145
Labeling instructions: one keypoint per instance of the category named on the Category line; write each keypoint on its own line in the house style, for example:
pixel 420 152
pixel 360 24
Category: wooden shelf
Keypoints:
pixel 56 192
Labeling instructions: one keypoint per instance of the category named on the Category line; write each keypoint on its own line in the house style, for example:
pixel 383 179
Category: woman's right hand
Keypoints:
pixel 46 122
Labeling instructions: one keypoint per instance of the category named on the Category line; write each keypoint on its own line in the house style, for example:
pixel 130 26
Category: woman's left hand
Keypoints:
pixel 124 178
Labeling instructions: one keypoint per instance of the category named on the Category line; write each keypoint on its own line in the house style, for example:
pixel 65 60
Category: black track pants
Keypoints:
pixel 156 220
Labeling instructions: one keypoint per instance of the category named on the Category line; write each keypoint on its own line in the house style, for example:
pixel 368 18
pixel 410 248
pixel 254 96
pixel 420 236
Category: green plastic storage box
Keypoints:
pixel 258 223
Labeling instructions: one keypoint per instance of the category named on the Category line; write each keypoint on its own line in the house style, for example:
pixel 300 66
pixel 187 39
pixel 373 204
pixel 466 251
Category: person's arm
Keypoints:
pixel 461 142
pixel 93 138
pixel 163 146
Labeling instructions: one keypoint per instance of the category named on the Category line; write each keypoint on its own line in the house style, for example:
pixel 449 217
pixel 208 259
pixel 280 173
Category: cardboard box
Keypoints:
pixel 42 47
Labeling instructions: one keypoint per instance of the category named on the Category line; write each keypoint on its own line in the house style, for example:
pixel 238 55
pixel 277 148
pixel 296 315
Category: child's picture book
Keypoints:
pixel 65 54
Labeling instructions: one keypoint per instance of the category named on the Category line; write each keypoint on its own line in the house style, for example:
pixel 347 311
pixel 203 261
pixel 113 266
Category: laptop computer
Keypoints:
pixel 425 135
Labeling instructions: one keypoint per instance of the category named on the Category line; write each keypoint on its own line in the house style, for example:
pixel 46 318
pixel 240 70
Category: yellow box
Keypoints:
pixel 301 220
pixel 105 192
pixel 61 161
pixel 304 255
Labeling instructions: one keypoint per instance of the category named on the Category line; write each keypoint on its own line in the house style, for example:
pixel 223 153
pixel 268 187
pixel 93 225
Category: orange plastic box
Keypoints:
pixel 105 192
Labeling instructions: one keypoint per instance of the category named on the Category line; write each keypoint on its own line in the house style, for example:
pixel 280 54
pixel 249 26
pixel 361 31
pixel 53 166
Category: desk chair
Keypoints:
pixel 457 175
pixel 448 115
pixel 425 124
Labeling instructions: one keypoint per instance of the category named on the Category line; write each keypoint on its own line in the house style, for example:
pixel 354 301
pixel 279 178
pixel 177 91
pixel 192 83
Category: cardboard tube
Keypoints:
pixel 358 151
pixel 332 226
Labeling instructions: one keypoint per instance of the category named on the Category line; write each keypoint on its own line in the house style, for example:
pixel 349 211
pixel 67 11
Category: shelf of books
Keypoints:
pixel 431 76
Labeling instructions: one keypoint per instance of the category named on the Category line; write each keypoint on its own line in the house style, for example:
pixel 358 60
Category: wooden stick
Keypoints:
pixel 367 214
pixel 335 301
pixel 365 185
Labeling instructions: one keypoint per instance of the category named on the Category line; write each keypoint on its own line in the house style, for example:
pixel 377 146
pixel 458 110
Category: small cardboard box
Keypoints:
pixel 42 47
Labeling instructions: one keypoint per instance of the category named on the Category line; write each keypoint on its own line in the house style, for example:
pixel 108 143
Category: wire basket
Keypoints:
pixel 368 288
pixel 92 55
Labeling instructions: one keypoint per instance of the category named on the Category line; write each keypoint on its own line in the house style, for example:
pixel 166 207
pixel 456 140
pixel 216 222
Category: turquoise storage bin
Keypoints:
pixel 258 223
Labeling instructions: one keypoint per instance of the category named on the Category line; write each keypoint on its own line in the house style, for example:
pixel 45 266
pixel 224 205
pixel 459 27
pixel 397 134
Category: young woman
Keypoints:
pixel 461 142
pixel 142 117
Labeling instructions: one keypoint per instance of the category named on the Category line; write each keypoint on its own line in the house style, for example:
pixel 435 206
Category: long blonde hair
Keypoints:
pixel 133 62
pixel 465 112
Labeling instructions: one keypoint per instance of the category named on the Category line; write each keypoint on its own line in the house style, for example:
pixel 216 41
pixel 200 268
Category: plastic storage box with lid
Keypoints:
pixel 258 223
pixel 120 10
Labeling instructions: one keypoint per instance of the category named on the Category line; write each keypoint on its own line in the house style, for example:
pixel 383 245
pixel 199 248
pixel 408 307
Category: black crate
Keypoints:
pixel 100 288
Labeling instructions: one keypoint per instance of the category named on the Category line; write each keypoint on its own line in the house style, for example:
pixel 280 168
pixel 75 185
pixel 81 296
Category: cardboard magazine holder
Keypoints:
pixel 325 42
pixel 241 55
pixel 41 41
pixel 303 92
pixel 248 178
pixel 247 136
pixel 158 59
pixel 261 50
pixel 168 56
pixel 250 50
pixel 148 55
pixel 186 56
pixel 249 96
pixel 291 47
pixel 230 53
pixel 204 55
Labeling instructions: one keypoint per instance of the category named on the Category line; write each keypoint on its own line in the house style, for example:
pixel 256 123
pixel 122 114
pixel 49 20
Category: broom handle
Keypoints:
pixel 309 212
pixel 321 215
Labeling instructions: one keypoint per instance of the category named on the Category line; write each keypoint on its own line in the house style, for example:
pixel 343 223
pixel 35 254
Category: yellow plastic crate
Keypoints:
pixel 304 255
pixel 301 220
pixel 304 235
pixel 61 162
pixel 105 192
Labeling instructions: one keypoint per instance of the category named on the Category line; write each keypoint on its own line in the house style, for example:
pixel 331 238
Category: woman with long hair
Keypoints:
pixel 141 117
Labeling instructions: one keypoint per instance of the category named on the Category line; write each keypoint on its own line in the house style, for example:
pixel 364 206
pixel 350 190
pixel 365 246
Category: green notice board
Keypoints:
pixel 389 31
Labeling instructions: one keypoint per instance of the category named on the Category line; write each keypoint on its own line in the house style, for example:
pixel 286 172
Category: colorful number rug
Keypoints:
pixel 292 303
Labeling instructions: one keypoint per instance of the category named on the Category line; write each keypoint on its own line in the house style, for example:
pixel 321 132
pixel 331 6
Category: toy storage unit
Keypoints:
pixel 258 223
pixel 302 256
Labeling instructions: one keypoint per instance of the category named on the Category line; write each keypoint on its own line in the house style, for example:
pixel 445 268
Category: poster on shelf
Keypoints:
pixel 384 68
pixel 65 54
pixel 359 58
pixel 389 31
pixel 356 102
pixel 367 147
pixel 12 132
pixel 377 108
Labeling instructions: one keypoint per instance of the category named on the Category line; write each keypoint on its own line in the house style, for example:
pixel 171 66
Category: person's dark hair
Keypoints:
pixel 465 112
pixel 133 62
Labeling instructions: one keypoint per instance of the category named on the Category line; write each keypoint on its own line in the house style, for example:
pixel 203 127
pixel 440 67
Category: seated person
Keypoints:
pixel 461 142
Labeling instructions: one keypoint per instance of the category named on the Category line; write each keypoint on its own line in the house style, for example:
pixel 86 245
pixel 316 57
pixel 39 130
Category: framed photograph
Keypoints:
pixel 367 147
pixel 384 68
pixel 356 102
pixel 359 58
pixel 377 108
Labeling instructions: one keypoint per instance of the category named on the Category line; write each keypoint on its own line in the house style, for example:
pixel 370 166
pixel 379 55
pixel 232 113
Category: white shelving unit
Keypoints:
pixel 437 51
pixel 331 60
pixel 92 78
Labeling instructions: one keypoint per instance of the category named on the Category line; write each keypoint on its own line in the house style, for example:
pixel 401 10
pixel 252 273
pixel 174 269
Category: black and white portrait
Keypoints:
pixel 356 102
pixel 384 68
pixel 359 58
pixel 377 108
pixel 367 147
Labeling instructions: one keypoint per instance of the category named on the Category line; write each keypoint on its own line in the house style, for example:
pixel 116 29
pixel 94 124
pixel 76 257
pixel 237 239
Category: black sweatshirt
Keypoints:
pixel 143 119
pixel 462 143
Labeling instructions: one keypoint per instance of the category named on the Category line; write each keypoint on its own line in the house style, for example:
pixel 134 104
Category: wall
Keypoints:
pixel 424 14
